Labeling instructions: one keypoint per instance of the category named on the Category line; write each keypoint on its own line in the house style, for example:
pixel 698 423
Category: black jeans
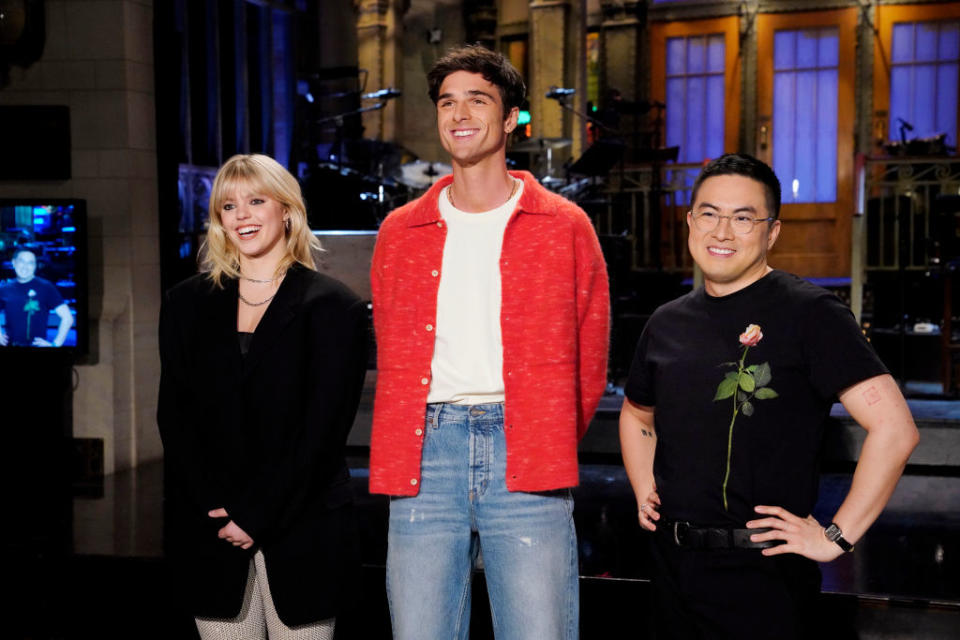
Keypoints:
pixel 732 593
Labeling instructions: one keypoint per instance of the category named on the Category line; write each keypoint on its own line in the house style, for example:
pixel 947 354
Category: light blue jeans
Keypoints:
pixel 527 540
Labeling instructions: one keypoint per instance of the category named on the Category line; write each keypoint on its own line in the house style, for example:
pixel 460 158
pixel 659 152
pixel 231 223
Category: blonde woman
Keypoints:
pixel 263 359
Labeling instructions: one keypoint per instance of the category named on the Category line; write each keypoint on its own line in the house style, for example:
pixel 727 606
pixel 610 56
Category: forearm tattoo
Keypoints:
pixel 871 395
pixel 648 434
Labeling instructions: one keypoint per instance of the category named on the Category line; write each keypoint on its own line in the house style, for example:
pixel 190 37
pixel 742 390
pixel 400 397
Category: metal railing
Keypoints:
pixel 894 225
pixel 625 207
pixel 897 198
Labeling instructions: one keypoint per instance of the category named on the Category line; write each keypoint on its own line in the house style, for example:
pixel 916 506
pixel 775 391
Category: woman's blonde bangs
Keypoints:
pixel 261 174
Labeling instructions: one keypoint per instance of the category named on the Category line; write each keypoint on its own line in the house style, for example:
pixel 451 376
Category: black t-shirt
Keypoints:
pixel 26 307
pixel 686 366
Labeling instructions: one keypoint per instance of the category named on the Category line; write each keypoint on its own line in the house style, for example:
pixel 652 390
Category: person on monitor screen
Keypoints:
pixel 262 360
pixel 724 414
pixel 27 301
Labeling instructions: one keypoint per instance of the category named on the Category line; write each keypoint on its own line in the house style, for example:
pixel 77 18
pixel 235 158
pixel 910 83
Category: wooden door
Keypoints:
pixel 805 100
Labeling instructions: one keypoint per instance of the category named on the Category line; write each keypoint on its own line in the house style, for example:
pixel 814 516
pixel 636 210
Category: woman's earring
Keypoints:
pixel 286 223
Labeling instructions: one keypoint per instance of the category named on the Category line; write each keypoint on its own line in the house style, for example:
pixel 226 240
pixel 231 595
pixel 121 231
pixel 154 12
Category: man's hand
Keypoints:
pixel 802 536
pixel 647 510
pixel 231 532
pixel 40 342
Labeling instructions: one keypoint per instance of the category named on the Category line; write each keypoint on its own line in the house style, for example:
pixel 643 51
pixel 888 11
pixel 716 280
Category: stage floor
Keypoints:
pixel 903 580
pixel 100 569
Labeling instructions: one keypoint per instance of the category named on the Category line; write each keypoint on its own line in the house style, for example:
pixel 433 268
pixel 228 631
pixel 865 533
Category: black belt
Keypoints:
pixel 688 536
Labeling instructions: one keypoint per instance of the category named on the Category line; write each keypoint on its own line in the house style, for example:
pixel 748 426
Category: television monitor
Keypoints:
pixel 43 275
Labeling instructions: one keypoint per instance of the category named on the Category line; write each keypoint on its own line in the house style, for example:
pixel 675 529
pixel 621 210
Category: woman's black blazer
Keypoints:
pixel 262 436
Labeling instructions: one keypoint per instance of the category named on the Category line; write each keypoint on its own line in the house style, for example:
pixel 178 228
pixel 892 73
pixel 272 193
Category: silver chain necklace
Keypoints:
pixel 254 304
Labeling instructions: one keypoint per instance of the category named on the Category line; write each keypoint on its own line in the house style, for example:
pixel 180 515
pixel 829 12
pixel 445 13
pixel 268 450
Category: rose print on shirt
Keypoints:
pixel 745 385
pixel 31 308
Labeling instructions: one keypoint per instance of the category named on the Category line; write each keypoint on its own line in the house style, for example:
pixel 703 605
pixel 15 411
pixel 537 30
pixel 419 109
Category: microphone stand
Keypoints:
pixel 338 119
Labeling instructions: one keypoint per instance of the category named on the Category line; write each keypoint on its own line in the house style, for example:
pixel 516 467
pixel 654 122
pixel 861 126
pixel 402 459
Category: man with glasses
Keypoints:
pixel 724 413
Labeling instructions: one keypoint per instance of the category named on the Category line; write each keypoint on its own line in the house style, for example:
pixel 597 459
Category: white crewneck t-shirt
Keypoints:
pixel 467 365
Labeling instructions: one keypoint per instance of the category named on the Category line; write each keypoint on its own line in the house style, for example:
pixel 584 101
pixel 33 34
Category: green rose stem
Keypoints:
pixel 733 419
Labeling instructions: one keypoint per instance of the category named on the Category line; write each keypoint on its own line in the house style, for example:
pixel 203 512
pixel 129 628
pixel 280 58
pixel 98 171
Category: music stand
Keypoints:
pixel 599 158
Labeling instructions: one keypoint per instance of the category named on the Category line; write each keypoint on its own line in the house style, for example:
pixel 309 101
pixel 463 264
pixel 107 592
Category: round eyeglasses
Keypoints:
pixel 741 224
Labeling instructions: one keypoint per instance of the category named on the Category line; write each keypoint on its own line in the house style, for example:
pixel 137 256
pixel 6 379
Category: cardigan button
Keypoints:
pixel 424 380
pixel 440 224
pixel 434 273
pixel 429 327
pixel 413 481
pixel 419 431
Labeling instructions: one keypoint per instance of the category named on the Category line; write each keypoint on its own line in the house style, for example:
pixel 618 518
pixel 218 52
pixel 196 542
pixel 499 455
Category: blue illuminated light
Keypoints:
pixel 524 117
pixel 68 229
pixel 309 97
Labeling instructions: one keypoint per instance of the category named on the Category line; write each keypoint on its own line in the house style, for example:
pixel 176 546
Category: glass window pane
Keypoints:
pixel 926 48
pixel 676 113
pixel 716 54
pixel 715 116
pixel 950 41
pixel 676 55
pixel 784 119
pixel 925 95
pixel 900 98
pixel 947 101
pixel 696 55
pixel 696 97
pixel 826 162
pixel 805 117
pixel 806 49
pixel 805 147
pixel 829 48
pixel 903 42
pixel 784 49
pixel 923 105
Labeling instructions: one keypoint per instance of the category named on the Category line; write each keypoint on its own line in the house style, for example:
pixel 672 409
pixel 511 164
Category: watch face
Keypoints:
pixel 834 534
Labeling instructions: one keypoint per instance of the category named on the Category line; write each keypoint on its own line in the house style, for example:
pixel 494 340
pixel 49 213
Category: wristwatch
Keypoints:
pixel 834 534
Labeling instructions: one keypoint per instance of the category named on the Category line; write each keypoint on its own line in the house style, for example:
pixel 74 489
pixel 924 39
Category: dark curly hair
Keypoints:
pixel 493 66
pixel 741 164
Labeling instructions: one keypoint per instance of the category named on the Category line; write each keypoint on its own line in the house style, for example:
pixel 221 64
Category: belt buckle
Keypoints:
pixel 679 529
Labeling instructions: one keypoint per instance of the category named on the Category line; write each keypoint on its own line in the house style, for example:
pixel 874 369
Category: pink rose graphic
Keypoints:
pixel 746 385
pixel 752 336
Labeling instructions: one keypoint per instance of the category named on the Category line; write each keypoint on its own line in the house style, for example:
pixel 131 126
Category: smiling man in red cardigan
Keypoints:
pixel 491 310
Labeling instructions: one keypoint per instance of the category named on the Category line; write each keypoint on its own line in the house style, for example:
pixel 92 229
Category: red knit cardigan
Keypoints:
pixel 554 320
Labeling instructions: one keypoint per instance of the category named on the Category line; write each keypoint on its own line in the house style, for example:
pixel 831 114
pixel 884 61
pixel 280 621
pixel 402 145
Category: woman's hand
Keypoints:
pixel 231 532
